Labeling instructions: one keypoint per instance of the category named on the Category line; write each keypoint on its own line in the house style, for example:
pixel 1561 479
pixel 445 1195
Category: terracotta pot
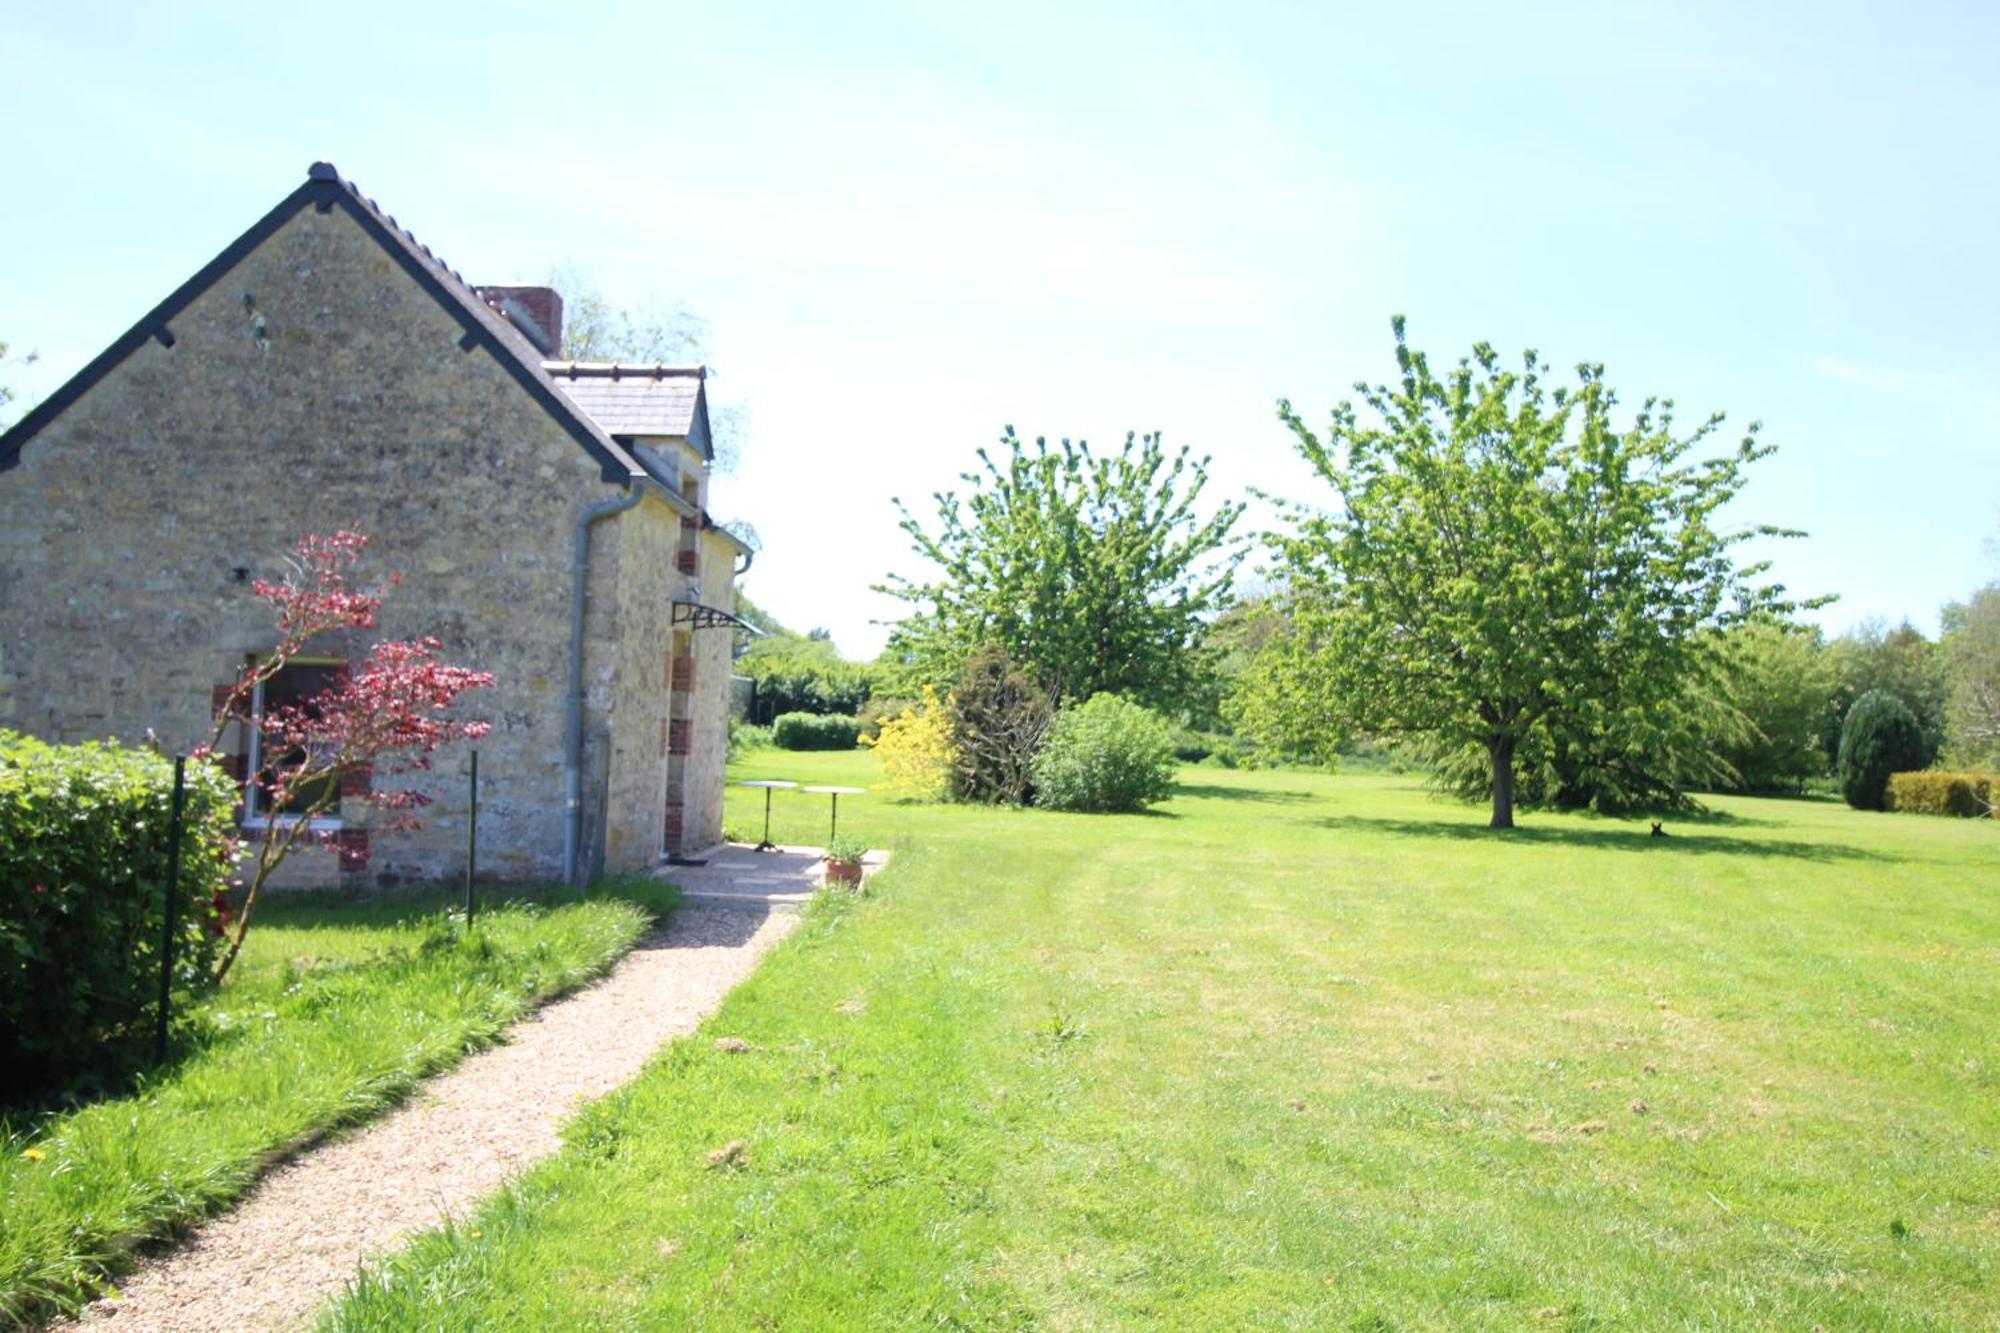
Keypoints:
pixel 842 872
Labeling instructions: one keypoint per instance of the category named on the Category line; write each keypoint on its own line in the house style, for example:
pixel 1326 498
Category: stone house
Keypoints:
pixel 327 371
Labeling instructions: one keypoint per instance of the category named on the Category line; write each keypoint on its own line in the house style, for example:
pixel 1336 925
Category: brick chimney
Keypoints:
pixel 536 311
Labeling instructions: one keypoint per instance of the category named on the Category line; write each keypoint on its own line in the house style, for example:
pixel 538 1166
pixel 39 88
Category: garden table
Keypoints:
pixel 769 786
pixel 833 830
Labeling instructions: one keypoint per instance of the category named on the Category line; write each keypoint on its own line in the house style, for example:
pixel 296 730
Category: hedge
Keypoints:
pixel 83 863
pixel 815 731
pixel 1965 795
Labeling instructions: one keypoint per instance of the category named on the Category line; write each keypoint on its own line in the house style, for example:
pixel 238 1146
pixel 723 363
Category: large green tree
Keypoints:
pixel 1777 678
pixel 1507 566
pixel 1093 572
pixel 797 673
pixel 1898 661
pixel 1971 647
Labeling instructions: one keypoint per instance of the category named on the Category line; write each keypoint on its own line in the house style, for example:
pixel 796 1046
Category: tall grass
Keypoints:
pixel 337 1010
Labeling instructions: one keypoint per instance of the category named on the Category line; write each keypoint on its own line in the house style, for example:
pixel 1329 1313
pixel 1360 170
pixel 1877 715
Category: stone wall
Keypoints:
pixel 316 387
pixel 708 750
pixel 637 707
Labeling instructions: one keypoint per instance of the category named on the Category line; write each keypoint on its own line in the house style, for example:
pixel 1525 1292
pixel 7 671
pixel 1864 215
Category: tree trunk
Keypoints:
pixel 1501 750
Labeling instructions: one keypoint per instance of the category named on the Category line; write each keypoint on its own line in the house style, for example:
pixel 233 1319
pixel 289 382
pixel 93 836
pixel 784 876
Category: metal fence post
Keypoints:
pixel 172 909
pixel 472 843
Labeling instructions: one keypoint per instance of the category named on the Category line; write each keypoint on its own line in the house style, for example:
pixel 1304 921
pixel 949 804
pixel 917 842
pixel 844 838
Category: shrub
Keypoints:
pixel 879 708
pixel 1879 737
pixel 1105 754
pixel 746 736
pixel 999 715
pixel 915 750
pixel 814 731
pixel 1963 795
pixel 83 864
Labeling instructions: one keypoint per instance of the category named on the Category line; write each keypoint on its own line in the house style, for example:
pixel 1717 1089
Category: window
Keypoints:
pixel 296 683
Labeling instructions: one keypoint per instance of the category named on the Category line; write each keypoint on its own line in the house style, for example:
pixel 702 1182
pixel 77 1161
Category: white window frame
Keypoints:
pixel 253 823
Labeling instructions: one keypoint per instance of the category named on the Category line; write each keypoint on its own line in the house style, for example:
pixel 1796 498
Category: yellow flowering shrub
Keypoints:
pixel 916 751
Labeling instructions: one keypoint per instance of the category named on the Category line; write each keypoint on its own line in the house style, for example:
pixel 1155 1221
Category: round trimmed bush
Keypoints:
pixel 1879 737
pixel 1106 754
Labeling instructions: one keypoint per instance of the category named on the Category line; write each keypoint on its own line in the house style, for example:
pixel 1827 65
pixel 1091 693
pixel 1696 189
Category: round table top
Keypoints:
pixel 767 782
pixel 837 791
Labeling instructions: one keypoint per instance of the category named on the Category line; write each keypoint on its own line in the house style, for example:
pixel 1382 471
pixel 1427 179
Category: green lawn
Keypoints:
pixel 1300 1052
pixel 334 1012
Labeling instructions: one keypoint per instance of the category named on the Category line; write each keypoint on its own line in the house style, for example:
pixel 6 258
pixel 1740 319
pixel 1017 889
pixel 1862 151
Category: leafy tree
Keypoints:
pixel 385 718
pixel 1277 700
pixel 1506 564
pixel 1971 650
pixel 1642 768
pixel 1880 737
pixel 596 330
pixel 1231 643
pixel 1094 573
pixel 1778 678
pixel 795 674
pixel 1901 661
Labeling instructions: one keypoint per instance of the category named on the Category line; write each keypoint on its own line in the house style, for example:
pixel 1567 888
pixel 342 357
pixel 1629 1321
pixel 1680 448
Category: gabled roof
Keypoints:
pixel 630 399
pixel 325 190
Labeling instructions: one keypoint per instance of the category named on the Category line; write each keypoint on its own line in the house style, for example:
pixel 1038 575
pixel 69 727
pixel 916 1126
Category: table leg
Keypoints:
pixel 767 845
pixel 833 832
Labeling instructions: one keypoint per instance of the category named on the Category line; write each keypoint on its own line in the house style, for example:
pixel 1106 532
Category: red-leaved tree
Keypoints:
pixel 383 717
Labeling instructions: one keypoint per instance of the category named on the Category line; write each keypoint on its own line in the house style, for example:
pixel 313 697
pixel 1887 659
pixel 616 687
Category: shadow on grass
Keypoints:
pixel 387 908
pixel 1601 838
pixel 1210 792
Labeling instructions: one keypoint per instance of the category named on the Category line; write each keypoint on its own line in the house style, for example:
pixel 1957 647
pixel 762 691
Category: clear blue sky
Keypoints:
pixel 910 227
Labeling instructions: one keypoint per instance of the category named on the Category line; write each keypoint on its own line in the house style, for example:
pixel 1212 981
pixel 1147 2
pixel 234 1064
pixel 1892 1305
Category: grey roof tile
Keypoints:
pixel 632 399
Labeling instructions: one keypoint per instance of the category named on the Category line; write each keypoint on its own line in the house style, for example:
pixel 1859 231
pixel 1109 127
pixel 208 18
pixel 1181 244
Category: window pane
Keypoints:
pixel 297 684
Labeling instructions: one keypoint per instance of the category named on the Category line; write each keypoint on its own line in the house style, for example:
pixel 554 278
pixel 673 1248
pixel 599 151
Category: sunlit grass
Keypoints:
pixel 1300 1051
pixel 337 1008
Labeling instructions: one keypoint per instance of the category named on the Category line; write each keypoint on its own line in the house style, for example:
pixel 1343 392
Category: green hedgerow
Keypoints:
pixel 84 833
pixel 1105 754
pixel 814 731
pixel 1961 795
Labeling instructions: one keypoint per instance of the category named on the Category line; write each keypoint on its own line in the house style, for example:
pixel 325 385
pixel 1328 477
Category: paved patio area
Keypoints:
pixel 736 872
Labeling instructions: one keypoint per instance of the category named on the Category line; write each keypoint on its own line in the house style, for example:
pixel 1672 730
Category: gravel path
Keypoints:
pixel 307 1226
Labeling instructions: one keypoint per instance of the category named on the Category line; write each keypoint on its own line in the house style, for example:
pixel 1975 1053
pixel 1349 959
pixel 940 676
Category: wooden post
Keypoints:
pixel 472 843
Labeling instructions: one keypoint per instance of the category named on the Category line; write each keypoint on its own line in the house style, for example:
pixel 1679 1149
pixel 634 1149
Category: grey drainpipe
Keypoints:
pixel 573 718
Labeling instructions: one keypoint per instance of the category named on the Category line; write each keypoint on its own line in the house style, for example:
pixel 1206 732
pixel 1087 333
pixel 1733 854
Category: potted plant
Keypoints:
pixel 843 860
